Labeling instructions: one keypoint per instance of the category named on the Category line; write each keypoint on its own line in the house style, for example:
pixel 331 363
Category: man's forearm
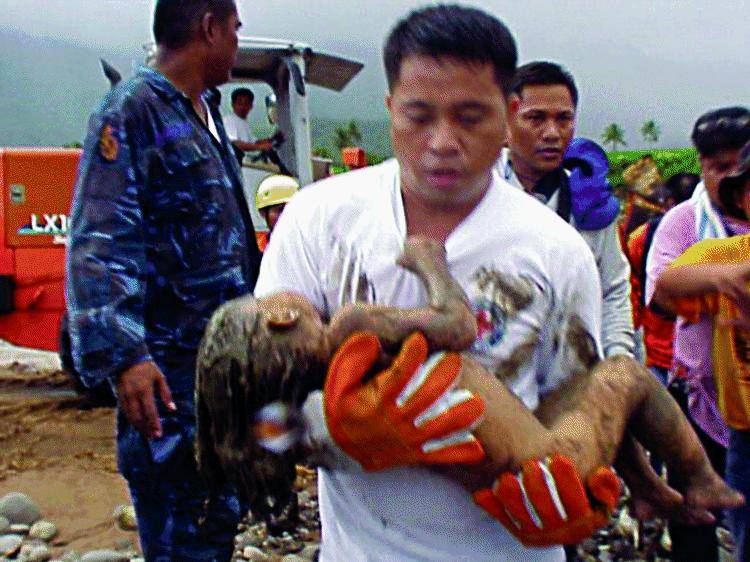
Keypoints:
pixel 685 281
pixel 245 146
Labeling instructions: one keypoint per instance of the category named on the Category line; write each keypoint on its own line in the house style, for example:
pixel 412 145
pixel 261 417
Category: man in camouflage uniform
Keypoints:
pixel 161 236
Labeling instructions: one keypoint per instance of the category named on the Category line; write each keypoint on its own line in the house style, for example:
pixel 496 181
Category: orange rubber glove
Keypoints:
pixel 408 414
pixel 546 504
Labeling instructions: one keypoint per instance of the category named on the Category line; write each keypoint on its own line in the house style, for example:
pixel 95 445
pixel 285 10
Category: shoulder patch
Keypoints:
pixel 108 145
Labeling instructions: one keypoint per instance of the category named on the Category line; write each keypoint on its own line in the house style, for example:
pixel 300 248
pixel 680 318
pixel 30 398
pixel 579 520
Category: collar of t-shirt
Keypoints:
pixel 555 182
pixel 210 121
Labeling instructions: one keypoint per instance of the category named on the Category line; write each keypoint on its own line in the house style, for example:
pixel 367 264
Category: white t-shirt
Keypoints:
pixel 614 272
pixel 353 226
pixel 237 128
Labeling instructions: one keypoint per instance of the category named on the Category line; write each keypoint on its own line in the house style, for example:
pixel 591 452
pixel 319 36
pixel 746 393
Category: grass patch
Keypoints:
pixel 670 161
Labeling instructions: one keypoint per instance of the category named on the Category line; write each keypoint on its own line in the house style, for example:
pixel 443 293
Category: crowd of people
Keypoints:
pixel 487 166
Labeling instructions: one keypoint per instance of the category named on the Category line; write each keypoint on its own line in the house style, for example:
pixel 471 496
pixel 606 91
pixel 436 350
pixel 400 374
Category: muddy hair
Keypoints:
pixel 240 369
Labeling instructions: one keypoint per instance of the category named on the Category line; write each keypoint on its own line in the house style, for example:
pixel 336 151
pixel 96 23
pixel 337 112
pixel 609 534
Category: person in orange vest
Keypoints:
pixel 274 192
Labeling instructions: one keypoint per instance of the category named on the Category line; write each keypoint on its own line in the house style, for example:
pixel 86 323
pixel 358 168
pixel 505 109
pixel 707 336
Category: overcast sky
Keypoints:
pixel 633 60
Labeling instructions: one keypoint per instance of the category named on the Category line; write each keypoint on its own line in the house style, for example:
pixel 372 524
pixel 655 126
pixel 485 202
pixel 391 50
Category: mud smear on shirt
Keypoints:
pixel 511 295
pixel 508 368
pixel 348 275
pixel 577 348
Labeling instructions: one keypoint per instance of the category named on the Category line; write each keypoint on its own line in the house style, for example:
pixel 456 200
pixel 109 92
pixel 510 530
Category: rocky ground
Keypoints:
pixel 62 499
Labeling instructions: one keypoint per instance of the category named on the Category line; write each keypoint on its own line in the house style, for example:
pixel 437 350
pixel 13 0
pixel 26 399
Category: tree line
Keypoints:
pixel 614 134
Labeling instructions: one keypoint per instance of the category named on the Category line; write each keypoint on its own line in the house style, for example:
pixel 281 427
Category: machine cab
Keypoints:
pixel 289 68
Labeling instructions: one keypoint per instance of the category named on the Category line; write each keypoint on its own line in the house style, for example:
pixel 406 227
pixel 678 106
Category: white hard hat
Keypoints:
pixel 275 190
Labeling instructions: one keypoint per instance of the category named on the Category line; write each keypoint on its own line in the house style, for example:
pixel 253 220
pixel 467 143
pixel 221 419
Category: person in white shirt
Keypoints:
pixel 526 271
pixel 541 123
pixel 237 127
pixel 531 280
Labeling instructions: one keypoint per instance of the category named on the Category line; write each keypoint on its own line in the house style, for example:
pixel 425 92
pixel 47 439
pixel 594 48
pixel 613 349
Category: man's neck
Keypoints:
pixel 527 175
pixel 434 220
pixel 182 69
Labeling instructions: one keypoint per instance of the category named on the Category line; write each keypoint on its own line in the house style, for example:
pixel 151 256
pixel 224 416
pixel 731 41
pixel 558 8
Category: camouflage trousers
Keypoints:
pixel 169 496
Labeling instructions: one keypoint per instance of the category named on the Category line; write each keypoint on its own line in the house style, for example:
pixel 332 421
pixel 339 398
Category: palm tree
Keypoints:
pixel 349 135
pixel 650 131
pixel 354 132
pixel 614 135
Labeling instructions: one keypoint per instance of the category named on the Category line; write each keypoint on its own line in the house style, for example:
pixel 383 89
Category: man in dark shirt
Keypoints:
pixel 161 237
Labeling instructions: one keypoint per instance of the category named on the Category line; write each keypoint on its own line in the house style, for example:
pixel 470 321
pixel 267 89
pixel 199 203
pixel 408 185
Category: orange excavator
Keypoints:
pixel 37 186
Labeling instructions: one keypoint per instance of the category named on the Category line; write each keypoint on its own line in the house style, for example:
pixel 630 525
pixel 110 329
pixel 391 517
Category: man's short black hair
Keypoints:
pixel 543 73
pixel 451 31
pixel 721 129
pixel 176 21
pixel 239 92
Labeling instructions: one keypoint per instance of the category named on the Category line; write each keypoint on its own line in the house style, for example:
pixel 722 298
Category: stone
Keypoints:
pixel 310 552
pixel 43 530
pixel 71 556
pixel 9 544
pixel 20 528
pixel 292 558
pixel 245 540
pixel 124 516
pixel 254 554
pixel 4 525
pixel 19 508
pixel 105 556
pixel 35 553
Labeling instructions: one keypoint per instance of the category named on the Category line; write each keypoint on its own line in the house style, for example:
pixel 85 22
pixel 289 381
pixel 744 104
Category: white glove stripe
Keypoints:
pixel 418 378
pixel 529 507
pixel 552 487
pixel 447 400
pixel 455 438
pixel 512 519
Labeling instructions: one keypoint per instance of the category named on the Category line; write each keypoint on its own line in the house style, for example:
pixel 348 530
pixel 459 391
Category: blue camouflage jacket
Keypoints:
pixel 160 235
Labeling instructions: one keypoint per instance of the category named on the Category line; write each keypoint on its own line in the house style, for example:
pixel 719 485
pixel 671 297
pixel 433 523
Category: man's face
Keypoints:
pixel 223 48
pixel 271 215
pixel 242 106
pixel 715 168
pixel 541 124
pixel 447 126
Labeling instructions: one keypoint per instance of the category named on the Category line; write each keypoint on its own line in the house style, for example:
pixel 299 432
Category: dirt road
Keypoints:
pixel 63 458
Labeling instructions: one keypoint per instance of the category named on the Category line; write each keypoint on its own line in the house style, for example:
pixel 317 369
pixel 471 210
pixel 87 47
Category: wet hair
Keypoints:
pixel 239 370
pixel 455 32
pixel 721 129
pixel 543 73
pixel 680 186
pixel 239 92
pixel 176 21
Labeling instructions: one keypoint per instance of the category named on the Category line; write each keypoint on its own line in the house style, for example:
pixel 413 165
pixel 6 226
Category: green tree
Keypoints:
pixel 322 151
pixel 354 133
pixel 650 131
pixel 613 134
pixel 348 135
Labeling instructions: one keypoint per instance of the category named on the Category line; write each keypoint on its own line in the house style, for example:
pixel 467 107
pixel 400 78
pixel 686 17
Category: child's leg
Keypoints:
pixel 619 394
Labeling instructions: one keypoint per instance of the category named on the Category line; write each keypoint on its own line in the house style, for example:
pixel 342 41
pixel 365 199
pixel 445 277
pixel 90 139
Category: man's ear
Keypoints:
pixel 389 103
pixel 514 104
pixel 207 28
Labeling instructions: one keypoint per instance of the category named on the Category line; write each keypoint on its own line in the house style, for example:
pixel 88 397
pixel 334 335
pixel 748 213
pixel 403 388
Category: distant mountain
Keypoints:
pixel 48 89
